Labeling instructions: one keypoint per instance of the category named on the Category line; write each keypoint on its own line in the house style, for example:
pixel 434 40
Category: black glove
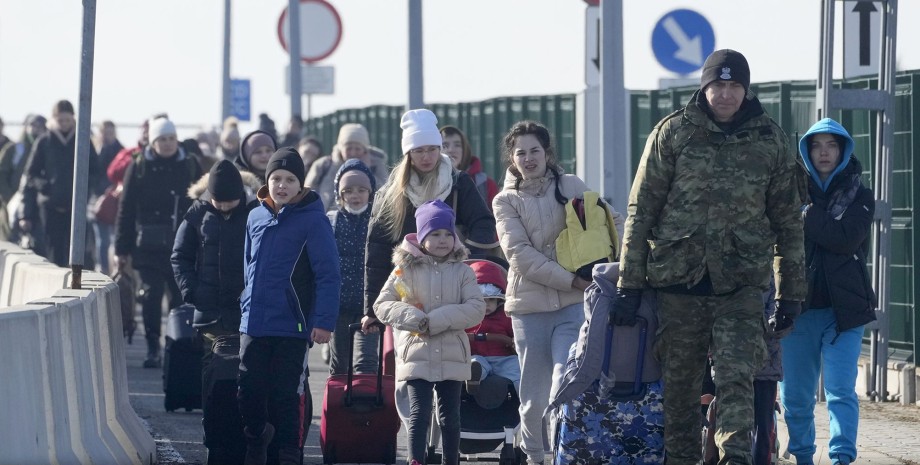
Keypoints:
pixel 625 306
pixel 783 320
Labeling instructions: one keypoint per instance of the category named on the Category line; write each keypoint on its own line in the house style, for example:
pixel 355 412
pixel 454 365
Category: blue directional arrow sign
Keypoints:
pixel 681 40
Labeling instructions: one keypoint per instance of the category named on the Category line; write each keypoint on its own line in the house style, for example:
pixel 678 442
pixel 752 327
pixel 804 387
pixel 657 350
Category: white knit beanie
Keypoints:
pixel 353 132
pixel 420 128
pixel 160 127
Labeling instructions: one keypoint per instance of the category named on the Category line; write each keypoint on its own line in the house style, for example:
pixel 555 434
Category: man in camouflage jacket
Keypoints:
pixel 715 202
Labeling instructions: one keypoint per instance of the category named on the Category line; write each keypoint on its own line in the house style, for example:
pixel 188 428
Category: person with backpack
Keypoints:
pixel 353 143
pixel 152 204
pixel 457 147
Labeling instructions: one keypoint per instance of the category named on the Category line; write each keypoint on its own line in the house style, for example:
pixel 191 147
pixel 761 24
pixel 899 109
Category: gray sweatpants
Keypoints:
pixel 542 341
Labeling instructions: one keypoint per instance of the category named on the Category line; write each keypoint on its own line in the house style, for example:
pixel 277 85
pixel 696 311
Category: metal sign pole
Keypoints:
pixel 294 50
pixel 225 79
pixel 416 77
pixel 615 158
pixel 81 157
pixel 881 100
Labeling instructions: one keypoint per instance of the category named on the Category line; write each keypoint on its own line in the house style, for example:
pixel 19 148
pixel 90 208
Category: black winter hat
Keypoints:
pixel 286 158
pixel 726 65
pixel 224 182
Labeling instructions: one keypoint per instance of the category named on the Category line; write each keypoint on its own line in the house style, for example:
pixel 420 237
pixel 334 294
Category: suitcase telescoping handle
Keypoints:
pixel 352 329
pixel 640 359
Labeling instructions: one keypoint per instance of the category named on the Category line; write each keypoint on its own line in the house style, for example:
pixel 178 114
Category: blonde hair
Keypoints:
pixel 390 206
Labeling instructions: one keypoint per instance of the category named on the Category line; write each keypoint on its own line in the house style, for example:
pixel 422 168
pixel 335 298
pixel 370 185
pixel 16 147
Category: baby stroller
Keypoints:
pixel 488 420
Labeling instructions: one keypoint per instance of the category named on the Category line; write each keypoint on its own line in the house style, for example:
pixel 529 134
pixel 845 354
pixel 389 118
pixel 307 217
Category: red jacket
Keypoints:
pixel 497 322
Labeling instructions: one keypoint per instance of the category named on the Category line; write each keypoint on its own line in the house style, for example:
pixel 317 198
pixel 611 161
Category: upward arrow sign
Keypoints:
pixel 865 9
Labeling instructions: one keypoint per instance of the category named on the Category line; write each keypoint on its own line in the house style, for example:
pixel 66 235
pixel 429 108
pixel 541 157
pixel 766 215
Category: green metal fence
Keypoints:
pixel 791 104
pixel 483 122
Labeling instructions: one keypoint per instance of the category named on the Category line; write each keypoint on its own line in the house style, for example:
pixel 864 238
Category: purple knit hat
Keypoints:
pixel 431 216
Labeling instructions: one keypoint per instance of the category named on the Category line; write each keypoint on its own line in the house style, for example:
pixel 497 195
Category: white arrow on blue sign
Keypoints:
pixel 239 99
pixel 681 40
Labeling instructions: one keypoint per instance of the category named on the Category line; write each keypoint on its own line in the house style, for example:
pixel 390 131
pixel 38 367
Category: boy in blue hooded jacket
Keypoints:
pixel 828 334
pixel 290 300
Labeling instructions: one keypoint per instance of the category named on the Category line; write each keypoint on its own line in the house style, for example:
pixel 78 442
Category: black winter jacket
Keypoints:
pixel 473 216
pixel 835 252
pixel 49 174
pixel 207 257
pixel 152 205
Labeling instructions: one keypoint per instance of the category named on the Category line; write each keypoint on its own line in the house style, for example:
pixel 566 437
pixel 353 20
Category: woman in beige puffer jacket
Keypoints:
pixel 543 299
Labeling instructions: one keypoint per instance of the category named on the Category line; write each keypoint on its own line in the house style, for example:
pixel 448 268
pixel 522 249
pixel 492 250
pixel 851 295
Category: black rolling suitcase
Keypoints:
pixel 182 361
pixel 223 426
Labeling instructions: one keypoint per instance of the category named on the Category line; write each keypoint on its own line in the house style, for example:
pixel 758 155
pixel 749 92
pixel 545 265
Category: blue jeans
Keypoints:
pixel 810 345
pixel 506 366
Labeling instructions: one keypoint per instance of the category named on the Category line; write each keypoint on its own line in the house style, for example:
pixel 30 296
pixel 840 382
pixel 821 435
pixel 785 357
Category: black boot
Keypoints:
pixel 257 446
pixel 153 352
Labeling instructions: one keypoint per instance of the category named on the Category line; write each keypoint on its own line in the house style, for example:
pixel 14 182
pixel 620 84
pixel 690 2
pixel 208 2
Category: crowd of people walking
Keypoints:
pixel 746 246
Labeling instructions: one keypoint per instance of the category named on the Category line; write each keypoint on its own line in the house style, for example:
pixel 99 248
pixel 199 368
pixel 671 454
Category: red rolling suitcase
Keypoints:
pixel 359 422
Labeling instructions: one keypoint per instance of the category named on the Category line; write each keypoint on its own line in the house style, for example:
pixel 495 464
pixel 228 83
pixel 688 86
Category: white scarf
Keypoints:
pixel 416 192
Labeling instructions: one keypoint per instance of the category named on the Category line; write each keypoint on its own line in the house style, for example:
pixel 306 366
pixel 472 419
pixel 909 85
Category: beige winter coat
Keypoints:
pixel 528 220
pixel 430 340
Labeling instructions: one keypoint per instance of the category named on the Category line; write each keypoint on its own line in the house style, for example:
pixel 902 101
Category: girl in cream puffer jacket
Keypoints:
pixel 430 299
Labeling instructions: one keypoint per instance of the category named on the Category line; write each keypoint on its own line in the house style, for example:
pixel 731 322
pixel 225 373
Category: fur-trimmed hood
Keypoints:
pixel 409 253
pixel 199 189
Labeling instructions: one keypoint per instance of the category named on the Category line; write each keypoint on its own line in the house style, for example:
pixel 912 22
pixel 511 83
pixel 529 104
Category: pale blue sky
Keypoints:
pixel 165 55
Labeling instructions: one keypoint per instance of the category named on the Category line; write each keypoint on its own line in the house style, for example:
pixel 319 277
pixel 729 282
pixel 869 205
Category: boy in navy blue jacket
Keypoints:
pixel 290 301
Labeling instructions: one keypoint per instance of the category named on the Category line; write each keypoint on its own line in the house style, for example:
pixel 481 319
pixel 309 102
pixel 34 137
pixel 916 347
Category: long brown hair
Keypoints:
pixel 523 128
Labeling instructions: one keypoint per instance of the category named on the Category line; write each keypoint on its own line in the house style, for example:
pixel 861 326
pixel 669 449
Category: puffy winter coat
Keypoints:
pixel 430 341
pixel 152 204
pixel 837 227
pixel 291 269
pixel 49 174
pixel 207 257
pixel 472 215
pixel 529 219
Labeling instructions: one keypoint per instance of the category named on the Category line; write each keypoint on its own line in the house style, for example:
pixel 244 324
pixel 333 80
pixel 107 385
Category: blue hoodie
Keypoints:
pixel 826 126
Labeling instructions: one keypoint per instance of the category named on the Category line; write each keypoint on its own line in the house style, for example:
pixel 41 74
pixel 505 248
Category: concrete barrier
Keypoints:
pixel 62 356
